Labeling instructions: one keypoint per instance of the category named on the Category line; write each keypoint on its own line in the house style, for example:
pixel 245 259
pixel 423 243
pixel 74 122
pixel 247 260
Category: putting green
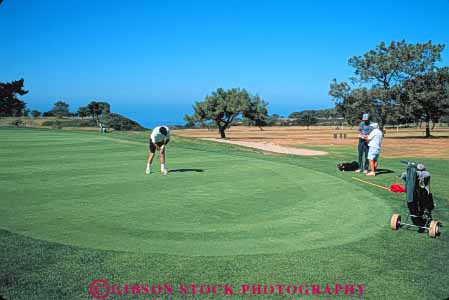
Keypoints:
pixel 90 191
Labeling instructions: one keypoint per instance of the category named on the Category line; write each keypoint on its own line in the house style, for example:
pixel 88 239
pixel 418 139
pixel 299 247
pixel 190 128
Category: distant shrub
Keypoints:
pixel 17 123
pixel 57 125
pixel 70 123
pixel 119 122
pixel 112 120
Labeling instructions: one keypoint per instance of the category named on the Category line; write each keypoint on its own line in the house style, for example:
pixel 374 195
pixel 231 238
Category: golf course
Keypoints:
pixel 76 206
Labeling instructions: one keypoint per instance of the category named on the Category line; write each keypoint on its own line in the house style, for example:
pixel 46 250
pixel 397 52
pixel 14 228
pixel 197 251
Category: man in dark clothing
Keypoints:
pixel 364 131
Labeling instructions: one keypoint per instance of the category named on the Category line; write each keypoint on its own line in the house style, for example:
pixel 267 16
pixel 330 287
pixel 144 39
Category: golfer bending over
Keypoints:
pixel 374 143
pixel 160 136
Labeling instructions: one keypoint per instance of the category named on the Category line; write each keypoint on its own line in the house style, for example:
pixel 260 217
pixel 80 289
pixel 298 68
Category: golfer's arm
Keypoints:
pixel 360 131
pixel 153 141
pixel 361 135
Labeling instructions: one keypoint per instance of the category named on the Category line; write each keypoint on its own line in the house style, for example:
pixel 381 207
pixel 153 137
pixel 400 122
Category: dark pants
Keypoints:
pixel 363 150
pixel 153 146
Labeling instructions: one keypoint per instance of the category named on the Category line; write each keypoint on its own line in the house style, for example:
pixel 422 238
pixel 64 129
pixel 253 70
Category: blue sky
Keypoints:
pixel 153 59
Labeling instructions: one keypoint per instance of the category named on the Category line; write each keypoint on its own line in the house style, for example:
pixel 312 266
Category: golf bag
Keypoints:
pixel 352 166
pixel 418 195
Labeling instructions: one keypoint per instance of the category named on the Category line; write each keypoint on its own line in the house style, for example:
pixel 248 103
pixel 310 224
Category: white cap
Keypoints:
pixel 420 167
pixel 374 125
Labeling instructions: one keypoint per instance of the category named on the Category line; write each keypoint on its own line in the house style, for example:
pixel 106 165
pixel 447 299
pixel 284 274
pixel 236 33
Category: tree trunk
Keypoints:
pixel 427 129
pixel 221 130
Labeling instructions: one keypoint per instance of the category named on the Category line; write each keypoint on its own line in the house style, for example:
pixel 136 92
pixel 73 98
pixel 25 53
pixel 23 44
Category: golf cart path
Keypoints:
pixel 270 147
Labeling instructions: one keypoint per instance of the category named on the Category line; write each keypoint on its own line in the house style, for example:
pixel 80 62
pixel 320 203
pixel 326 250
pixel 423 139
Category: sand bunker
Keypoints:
pixel 270 147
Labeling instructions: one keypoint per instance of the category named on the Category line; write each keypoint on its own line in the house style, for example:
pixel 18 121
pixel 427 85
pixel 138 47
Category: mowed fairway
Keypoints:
pixel 220 214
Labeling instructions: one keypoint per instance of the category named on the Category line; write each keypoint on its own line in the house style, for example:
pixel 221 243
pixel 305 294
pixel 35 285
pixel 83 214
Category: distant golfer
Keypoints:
pixel 374 143
pixel 160 136
pixel 364 131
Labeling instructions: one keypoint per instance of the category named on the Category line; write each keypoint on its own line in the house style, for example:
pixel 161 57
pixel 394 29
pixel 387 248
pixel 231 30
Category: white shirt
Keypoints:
pixel 375 138
pixel 157 137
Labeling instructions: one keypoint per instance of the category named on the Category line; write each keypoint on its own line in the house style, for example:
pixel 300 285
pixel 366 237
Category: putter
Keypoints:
pixel 370 183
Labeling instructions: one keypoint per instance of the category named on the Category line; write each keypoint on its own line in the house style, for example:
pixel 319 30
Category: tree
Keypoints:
pixel 381 72
pixel 257 112
pixel 327 113
pixel 83 112
pixel 96 109
pixel 273 119
pixel 60 109
pixel 10 105
pixel 105 119
pixel 352 103
pixel 307 119
pixel 386 67
pixel 222 107
pixel 427 96
pixel 190 121
pixel 35 113
pixel 340 92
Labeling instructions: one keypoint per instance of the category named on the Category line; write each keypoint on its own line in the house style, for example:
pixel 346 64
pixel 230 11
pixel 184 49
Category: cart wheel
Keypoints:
pixel 434 228
pixel 395 221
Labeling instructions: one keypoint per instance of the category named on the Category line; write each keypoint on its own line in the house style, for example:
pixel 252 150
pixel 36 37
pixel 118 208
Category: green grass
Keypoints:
pixel 76 206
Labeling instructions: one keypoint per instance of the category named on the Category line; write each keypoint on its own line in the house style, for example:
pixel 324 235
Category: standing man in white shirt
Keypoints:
pixel 374 143
pixel 160 136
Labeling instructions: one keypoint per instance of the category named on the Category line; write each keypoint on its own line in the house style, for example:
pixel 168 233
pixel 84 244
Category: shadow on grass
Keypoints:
pixel 384 171
pixel 186 170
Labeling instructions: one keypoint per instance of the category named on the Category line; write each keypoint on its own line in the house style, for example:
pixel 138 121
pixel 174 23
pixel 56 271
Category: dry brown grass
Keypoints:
pixel 408 142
